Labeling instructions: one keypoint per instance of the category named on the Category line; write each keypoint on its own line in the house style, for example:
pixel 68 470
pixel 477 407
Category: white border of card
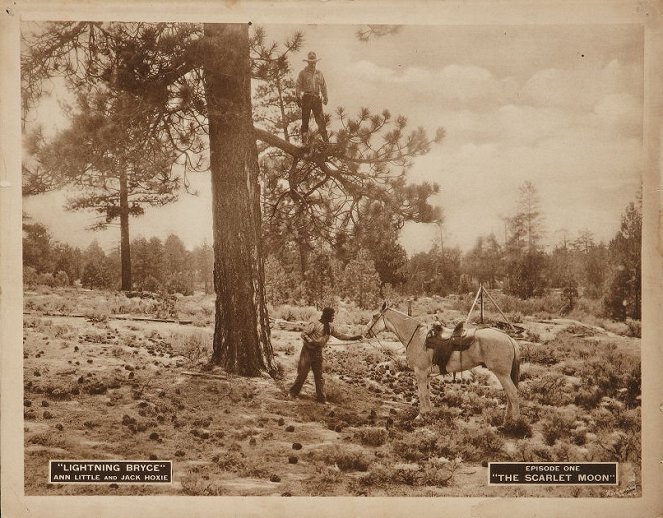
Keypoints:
pixel 646 14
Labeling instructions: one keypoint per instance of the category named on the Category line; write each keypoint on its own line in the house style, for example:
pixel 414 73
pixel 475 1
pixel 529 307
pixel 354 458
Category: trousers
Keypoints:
pixel 313 103
pixel 310 359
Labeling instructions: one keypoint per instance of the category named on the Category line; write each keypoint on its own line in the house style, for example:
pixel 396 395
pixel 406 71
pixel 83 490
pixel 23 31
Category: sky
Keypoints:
pixel 559 106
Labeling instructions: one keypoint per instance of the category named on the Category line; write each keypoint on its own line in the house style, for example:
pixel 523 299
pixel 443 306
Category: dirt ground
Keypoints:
pixel 125 389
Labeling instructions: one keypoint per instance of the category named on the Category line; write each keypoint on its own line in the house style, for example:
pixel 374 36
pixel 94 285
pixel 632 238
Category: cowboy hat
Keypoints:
pixel 311 57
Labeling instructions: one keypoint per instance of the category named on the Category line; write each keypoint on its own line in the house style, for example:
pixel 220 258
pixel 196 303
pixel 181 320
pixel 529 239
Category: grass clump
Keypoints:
pixel 371 436
pixel 345 459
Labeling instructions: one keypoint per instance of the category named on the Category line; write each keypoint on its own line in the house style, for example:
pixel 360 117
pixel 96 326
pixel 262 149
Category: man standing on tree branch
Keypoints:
pixel 315 338
pixel 311 92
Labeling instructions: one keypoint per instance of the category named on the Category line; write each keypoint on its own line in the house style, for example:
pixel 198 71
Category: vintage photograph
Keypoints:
pixel 332 260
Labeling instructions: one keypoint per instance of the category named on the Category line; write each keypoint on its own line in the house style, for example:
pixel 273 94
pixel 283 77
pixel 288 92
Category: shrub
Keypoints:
pixel 519 428
pixel 345 459
pixel 540 354
pixel 180 283
pixel 613 374
pixel 193 346
pixel 30 276
pixel 230 461
pixel 602 419
pixel 294 313
pixel 378 476
pixel 493 416
pixel 634 327
pixel 150 284
pixel 371 436
pixel 471 445
pixel 334 392
pixel 47 279
pixel 556 426
pixel 550 389
pixel 325 478
pixel 419 445
pixel 588 397
pixel 98 315
pixel 429 474
pixel 61 279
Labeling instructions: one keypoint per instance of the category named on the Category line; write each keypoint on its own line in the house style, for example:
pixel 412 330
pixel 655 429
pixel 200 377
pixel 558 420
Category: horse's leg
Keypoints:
pixel 421 376
pixel 512 406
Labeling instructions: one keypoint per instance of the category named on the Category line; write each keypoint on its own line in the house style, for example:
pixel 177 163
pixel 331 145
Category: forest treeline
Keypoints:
pixel 370 264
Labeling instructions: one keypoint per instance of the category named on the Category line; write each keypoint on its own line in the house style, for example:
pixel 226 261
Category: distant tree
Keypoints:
pixel 560 265
pixel 277 285
pixel 525 262
pixel 155 254
pixel 111 167
pixel 140 264
pixel 175 255
pixel 204 261
pixel 377 232
pixel 37 247
pixel 596 269
pixel 436 272
pixel 584 242
pixel 179 267
pixel 147 264
pixel 68 260
pixel 526 275
pixel 569 294
pixel 623 298
pixel 484 261
pixel 361 281
pixel 324 279
pixel 526 226
pixel 98 268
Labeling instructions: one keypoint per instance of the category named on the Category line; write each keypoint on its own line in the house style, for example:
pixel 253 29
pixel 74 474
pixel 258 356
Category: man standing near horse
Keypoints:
pixel 315 338
pixel 311 92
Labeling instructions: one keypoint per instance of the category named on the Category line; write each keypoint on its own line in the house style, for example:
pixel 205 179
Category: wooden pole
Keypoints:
pixel 481 301
pixel 498 309
pixel 472 308
pixel 409 308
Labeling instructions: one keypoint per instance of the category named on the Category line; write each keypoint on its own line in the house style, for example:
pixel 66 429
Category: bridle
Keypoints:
pixel 381 315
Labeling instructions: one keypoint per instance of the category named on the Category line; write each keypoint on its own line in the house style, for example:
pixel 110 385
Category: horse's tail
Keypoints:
pixel 515 364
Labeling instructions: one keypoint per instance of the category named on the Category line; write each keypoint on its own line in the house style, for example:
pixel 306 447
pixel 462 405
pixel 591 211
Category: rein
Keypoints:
pixel 413 333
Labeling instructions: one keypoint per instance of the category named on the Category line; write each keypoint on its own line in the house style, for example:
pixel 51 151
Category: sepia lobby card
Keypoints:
pixel 530 131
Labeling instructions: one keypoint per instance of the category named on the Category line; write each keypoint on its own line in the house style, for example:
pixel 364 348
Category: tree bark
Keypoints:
pixel 125 251
pixel 241 334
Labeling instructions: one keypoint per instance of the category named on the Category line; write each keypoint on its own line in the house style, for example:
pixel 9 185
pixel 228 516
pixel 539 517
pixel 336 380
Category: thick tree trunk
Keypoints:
pixel 241 335
pixel 125 251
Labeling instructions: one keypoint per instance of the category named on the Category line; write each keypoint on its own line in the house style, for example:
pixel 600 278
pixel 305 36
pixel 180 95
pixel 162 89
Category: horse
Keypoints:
pixel 491 348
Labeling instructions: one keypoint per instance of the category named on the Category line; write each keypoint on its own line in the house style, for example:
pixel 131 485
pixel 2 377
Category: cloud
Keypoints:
pixel 581 87
pixel 453 83
pixel 621 111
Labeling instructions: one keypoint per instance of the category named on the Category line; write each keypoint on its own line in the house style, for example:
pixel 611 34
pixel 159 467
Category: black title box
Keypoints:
pixel 552 473
pixel 110 471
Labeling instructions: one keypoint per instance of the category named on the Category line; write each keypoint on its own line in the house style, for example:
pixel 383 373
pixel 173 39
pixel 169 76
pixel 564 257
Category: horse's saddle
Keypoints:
pixel 444 343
